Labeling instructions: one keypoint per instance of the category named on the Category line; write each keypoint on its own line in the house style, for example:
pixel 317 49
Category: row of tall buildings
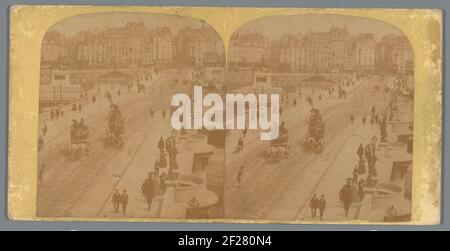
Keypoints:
pixel 133 45
pixel 330 51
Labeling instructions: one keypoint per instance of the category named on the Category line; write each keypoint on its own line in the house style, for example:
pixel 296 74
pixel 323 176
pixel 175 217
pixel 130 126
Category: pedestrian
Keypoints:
pixel 161 145
pixel 52 114
pixel 240 144
pixel 360 151
pixel 147 190
pixel 124 201
pixel 309 100
pixel 41 173
pixel 156 166
pixel 322 205
pixel 341 195
pixel 347 197
pixel 56 113
pixel 162 160
pixel 361 184
pixel 352 118
pixel 364 121
pixel 40 143
pixel 355 175
pixel 44 129
pixel 62 113
pixel 371 157
pixel 313 203
pixel 240 174
pixel 116 200
pixel 244 133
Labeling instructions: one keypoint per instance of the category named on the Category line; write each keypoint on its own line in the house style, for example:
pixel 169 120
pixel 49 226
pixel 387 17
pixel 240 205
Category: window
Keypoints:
pixel 60 77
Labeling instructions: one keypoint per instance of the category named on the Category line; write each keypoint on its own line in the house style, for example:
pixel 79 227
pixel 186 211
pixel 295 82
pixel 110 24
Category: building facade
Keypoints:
pixel 199 46
pixel 53 48
pixel 365 52
pixel 335 50
pixel 249 50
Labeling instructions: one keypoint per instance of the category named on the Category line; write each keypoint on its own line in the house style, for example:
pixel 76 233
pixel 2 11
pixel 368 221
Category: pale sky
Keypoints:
pixel 272 27
pixel 275 26
pixel 89 22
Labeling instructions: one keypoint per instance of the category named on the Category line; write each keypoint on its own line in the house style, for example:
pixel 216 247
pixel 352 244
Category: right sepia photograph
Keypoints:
pixel 345 141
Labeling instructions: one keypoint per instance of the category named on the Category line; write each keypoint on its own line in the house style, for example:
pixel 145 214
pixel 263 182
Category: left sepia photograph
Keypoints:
pixel 106 146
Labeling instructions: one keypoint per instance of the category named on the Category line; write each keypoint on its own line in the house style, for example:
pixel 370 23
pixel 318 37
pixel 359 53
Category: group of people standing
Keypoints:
pixel 76 107
pixel 120 199
pixel 55 113
pixel 167 148
pixel 155 183
pixel 317 204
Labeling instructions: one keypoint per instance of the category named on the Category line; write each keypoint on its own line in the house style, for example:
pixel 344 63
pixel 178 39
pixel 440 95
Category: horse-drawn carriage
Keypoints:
pixel 316 129
pixel 79 143
pixel 279 148
pixel 116 125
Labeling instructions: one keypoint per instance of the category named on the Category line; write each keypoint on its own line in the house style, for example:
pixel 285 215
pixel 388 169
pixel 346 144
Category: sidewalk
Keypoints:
pixel 137 170
pixel 336 175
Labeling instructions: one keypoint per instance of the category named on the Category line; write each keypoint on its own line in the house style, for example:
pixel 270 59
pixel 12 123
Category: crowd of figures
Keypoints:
pixel 365 171
pixel 155 183
pixel 353 190
pixel 316 204
pixel 56 113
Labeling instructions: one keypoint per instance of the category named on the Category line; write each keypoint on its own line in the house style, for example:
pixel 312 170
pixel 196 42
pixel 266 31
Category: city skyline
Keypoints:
pixel 317 23
pixel 73 25
pixel 252 47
